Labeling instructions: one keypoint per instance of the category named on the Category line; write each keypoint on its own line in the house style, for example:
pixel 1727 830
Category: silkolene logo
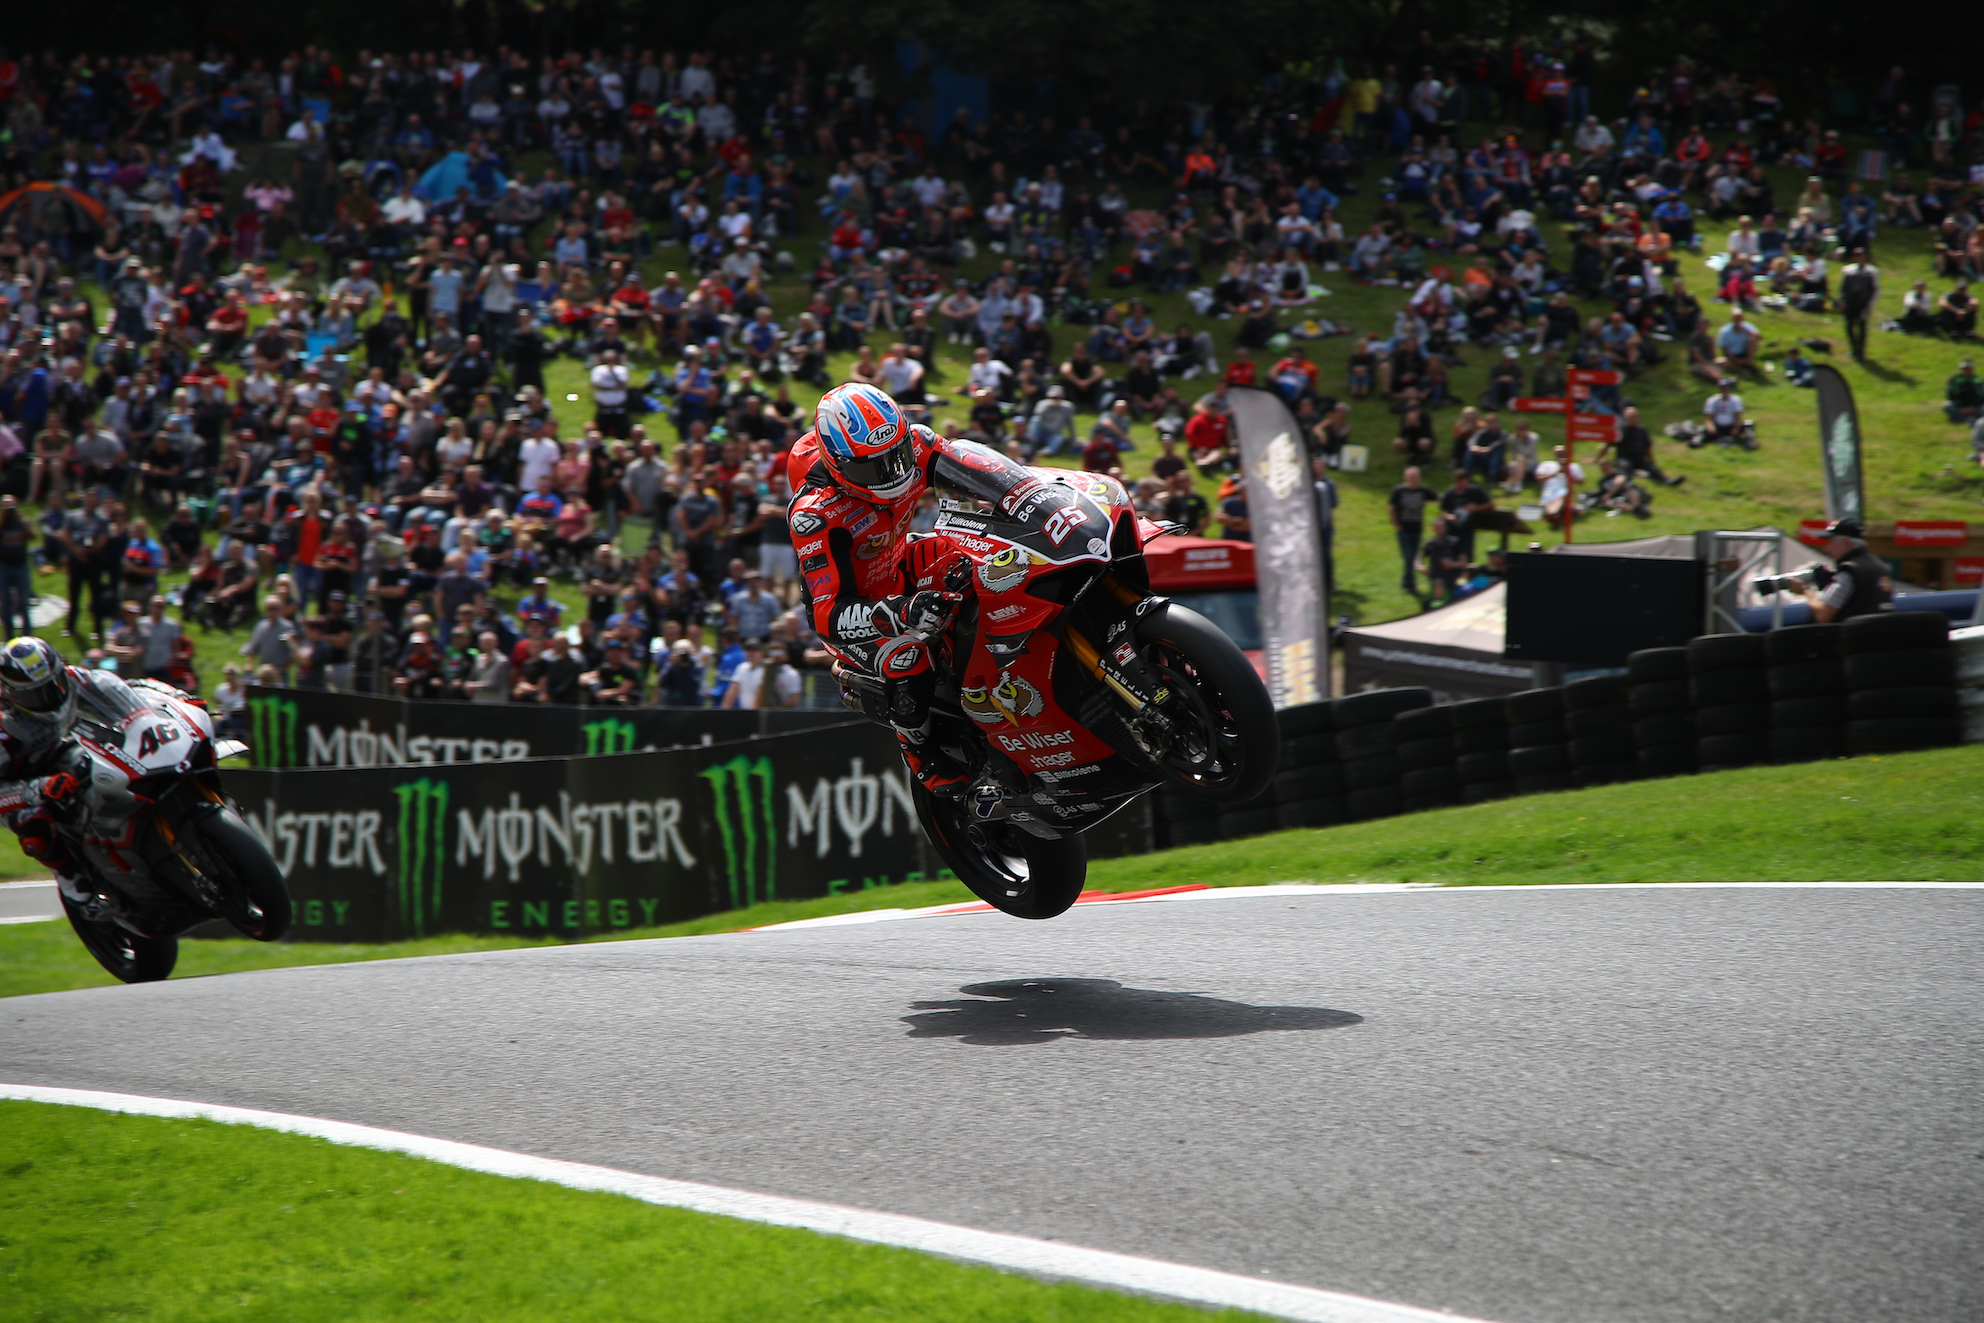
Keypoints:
pixel 1035 739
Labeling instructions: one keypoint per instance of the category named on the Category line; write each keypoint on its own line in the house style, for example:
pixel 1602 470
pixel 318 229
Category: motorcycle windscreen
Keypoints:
pixel 1051 520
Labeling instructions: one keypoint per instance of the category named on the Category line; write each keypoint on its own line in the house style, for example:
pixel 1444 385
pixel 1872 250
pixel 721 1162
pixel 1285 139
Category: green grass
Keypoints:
pixel 1905 817
pixel 109 1216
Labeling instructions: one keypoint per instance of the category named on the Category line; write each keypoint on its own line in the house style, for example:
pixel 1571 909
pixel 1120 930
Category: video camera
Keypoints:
pixel 1816 575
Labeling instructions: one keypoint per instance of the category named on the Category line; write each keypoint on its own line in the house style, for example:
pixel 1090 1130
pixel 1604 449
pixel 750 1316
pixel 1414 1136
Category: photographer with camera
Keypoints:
pixel 1857 585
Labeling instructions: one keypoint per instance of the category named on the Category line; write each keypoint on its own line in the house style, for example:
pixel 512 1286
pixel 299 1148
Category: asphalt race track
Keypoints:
pixel 1549 1105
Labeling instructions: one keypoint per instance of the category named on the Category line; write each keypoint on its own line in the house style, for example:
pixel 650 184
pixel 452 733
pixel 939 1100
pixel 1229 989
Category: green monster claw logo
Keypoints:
pixel 608 737
pixel 272 731
pixel 423 846
pixel 745 822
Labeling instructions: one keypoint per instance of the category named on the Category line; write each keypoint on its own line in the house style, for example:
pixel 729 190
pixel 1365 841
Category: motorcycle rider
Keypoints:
pixel 867 578
pixel 38 695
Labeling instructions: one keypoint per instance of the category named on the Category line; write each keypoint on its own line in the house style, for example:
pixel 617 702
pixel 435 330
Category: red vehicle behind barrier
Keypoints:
pixel 1214 577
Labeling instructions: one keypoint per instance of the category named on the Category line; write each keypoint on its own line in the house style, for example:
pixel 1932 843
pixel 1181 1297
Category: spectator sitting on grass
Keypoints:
pixel 1738 343
pixel 1052 428
pixel 1963 396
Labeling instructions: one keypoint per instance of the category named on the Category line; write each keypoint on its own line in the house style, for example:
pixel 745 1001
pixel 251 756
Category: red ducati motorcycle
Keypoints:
pixel 1066 687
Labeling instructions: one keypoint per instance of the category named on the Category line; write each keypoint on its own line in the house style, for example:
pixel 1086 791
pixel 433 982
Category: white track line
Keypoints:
pixel 1355 889
pixel 1015 1253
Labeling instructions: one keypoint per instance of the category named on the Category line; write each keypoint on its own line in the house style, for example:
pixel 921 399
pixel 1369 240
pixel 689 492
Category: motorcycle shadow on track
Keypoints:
pixel 1041 1010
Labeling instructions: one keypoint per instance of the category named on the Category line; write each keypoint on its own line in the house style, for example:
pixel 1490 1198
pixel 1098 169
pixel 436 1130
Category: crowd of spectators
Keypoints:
pixel 285 325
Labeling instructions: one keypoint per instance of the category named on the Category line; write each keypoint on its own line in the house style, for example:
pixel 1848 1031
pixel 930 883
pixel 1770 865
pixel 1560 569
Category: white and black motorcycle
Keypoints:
pixel 158 846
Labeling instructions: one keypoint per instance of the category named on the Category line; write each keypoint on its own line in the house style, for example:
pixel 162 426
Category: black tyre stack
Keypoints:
pixel 1663 721
pixel 1807 693
pixel 1900 682
pixel 1481 750
pixel 1308 790
pixel 1538 758
pixel 1968 645
pixel 1599 727
pixel 1729 690
pixel 1367 742
pixel 1184 819
pixel 1427 777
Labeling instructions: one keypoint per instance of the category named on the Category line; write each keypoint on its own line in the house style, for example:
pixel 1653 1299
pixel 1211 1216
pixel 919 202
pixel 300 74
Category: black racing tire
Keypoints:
pixel 1482 792
pixel 1247 822
pixel 1595 691
pixel 1530 734
pixel 1491 766
pixel 1900 704
pixel 1593 750
pixel 1423 723
pixel 1534 705
pixel 1732 719
pixel 1544 783
pixel 1652 664
pixel 1807 744
pixel 1366 741
pixel 1436 799
pixel 1429 781
pixel 1802 643
pixel 1366 773
pixel 1305 719
pixel 1808 679
pixel 1478 712
pixel 1818 710
pixel 129 957
pixel 1902 668
pixel 1736 684
pixel 1721 652
pixel 1606 719
pixel 1715 753
pixel 1004 865
pixel 1305 783
pixel 1667 728
pixel 1657 696
pixel 1379 705
pixel 1901 736
pixel 1322 811
pixel 1435 752
pixel 255 899
pixel 1229 743
pixel 1308 750
pixel 1540 760
pixel 1605 774
pixel 1481 739
pixel 1374 802
pixel 1891 631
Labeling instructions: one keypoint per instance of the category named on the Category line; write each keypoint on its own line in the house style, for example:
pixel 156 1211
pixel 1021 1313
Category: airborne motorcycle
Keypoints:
pixel 1066 687
pixel 157 844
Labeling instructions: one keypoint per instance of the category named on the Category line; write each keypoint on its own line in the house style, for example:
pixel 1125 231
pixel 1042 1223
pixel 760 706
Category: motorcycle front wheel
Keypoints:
pixel 1005 866
pixel 255 899
pixel 1226 741
pixel 129 957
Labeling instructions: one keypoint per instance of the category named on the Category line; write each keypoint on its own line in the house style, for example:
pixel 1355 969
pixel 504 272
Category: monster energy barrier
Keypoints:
pixel 569 846
pixel 322 728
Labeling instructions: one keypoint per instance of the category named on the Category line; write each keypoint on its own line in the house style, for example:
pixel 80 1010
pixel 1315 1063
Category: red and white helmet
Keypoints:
pixel 866 443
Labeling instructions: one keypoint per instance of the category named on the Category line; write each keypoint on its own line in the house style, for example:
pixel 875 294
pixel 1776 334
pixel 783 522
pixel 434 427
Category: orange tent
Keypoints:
pixel 86 213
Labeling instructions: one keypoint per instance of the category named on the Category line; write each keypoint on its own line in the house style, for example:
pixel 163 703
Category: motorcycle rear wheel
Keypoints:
pixel 255 897
pixel 1230 741
pixel 129 957
pixel 1005 866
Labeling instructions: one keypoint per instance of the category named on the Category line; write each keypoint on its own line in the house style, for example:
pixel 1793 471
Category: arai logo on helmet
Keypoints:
pixel 31 658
